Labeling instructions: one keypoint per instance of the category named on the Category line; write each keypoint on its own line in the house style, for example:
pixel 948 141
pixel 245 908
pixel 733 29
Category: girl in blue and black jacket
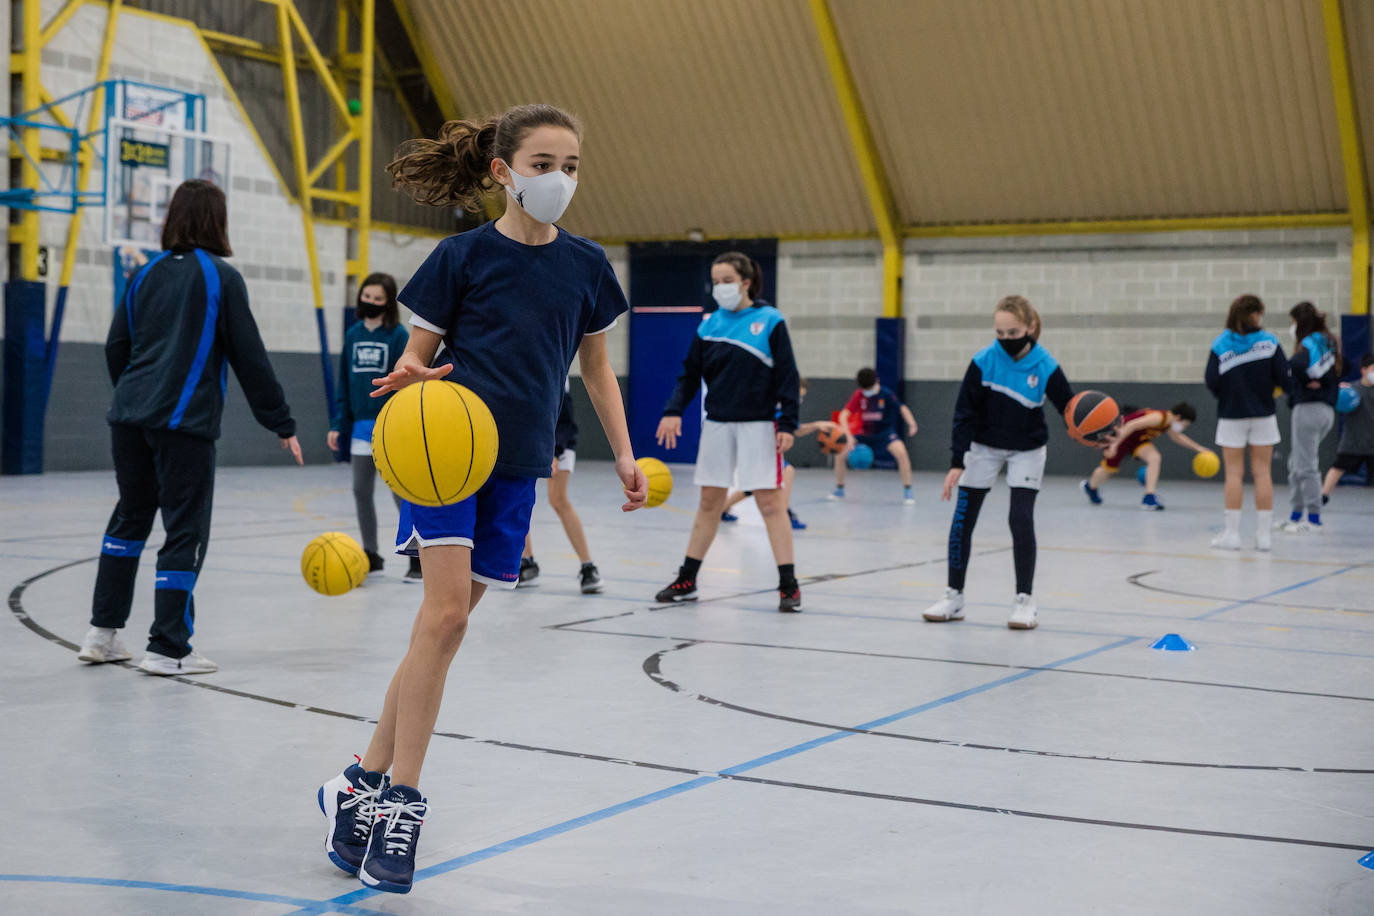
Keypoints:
pixel 999 420
pixel 743 354
pixel 370 349
pixel 1316 372
pixel 1244 367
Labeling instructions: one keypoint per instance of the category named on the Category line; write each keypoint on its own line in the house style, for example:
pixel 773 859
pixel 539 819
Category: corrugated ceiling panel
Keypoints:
pixel 1011 110
pixel 712 114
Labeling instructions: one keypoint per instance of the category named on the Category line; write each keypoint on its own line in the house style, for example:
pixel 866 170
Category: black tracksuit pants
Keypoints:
pixel 156 469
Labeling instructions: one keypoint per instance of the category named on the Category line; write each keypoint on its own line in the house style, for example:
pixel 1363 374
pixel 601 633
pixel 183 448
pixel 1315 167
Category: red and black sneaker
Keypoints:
pixel 683 588
pixel 789 599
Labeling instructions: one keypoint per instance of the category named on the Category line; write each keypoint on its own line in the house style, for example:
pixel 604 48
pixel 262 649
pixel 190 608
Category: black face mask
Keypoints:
pixel 1013 345
pixel 368 310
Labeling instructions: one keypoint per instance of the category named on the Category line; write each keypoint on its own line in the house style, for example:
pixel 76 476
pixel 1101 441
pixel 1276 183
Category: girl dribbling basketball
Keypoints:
pixel 1000 420
pixel 512 301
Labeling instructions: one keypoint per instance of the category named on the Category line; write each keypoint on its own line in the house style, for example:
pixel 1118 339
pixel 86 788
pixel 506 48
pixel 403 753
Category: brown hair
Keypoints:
pixel 1309 320
pixel 1025 312
pixel 1242 310
pixel 748 269
pixel 454 170
pixel 392 316
pixel 197 218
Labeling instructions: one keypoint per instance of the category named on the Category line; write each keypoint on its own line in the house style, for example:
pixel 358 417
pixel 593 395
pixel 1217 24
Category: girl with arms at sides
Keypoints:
pixel 512 301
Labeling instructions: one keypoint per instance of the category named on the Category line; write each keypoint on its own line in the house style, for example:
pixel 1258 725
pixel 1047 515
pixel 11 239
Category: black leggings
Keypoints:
pixel 1021 520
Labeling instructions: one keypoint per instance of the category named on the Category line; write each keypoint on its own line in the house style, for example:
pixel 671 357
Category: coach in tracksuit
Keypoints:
pixel 1245 365
pixel 743 354
pixel 183 321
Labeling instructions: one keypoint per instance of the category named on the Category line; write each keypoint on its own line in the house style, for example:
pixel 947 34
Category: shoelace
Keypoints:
pixel 364 805
pixel 401 820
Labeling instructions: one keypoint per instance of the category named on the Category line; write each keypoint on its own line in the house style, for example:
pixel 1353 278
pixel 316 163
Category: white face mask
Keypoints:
pixel 874 390
pixel 1293 331
pixel 543 197
pixel 727 295
pixel 1176 426
pixel 1369 377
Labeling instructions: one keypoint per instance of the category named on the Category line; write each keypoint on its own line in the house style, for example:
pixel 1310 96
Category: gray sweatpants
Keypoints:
pixel 1311 423
pixel 364 482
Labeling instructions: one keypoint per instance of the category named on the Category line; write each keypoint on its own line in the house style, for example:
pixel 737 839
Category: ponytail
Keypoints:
pixel 454 170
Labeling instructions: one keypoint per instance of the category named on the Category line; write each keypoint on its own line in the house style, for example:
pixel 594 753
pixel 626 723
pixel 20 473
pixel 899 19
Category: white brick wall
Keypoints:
pixel 830 292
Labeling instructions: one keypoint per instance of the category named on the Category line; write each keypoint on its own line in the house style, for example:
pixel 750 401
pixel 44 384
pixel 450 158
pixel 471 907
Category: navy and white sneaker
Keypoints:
pixel 1151 503
pixel 390 861
pixel 349 803
pixel 1093 496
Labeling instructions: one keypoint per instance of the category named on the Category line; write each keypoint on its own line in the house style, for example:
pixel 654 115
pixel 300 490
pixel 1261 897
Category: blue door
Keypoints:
pixel 670 292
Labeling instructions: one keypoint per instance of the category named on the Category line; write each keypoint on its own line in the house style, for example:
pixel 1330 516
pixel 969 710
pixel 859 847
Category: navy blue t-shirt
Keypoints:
pixel 512 316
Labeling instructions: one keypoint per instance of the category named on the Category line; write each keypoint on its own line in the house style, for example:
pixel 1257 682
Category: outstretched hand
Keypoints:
pixel 408 372
pixel 669 428
pixel 293 445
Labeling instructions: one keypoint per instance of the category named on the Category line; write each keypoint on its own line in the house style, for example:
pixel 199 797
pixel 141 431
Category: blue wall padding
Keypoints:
pixel 25 379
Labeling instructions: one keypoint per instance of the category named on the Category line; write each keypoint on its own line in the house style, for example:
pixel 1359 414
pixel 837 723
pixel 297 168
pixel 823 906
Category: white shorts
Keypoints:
pixel 982 463
pixel 1248 431
pixel 567 460
pixel 740 455
pixel 360 447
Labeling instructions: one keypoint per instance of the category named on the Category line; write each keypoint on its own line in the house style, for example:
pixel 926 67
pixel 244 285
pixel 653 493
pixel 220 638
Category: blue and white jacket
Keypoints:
pixel 1314 360
pixel 1002 400
pixel 1242 372
pixel 745 358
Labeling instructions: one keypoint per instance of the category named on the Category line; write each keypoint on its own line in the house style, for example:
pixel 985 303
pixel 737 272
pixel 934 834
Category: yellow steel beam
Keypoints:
pixel 27 224
pixel 866 153
pixel 367 30
pixel 1170 224
pixel 56 23
pixel 343 197
pixel 293 110
pixel 83 172
pixel 321 65
pixel 1352 155
pixel 329 157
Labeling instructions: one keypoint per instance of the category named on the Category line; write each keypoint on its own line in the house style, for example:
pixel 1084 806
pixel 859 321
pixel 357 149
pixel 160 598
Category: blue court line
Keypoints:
pixel 1277 591
pixel 317 907
pixel 671 791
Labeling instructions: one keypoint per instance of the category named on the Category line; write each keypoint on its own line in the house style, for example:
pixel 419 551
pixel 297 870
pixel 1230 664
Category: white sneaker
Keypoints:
pixel 1022 613
pixel 1295 528
pixel 102 644
pixel 161 665
pixel 1264 539
pixel 950 607
pixel 1227 540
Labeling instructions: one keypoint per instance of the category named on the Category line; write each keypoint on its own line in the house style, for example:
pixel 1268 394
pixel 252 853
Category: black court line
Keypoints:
pixel 1223 599
pixel 17 608
pixel 652 667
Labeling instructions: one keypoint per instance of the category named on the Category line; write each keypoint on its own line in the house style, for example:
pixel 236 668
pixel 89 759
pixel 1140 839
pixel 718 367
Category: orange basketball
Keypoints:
pixel 1091 416
pixel 831 441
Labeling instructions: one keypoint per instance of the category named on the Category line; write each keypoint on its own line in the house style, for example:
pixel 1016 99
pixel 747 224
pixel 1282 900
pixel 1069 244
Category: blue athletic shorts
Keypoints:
pixel 493 522
pixel 878 441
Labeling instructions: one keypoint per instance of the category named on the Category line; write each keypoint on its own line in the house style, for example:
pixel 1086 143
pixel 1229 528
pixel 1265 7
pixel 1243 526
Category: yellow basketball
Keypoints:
pixel 660 481
pixel 333 563
pixel 1206 464
pixel 434 443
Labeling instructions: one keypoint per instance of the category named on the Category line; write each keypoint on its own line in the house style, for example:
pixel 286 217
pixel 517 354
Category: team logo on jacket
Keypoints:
pixel 370 357
pixel 756 328
pixel 1033 380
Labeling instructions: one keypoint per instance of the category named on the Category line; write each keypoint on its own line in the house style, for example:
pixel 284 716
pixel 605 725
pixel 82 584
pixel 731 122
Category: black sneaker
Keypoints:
pixel 789 598
pixel 374 561
pixel 590 579
pixel 390 861
pixel 683 588
pixel 414 574
pixel 349 803
pixel 529 573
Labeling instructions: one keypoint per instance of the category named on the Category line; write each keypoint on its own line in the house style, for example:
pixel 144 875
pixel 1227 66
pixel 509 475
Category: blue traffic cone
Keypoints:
pixel 1172 642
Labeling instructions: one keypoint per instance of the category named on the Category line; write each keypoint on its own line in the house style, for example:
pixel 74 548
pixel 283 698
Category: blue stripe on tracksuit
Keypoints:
pixel 118 547
pixel 207 338
pixel 172 580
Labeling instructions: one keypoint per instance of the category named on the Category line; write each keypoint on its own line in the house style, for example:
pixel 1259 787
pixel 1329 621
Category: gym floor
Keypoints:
pixel 601 754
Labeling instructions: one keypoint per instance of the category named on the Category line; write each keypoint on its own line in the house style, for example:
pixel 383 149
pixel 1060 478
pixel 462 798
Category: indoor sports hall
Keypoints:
pixel 841 280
